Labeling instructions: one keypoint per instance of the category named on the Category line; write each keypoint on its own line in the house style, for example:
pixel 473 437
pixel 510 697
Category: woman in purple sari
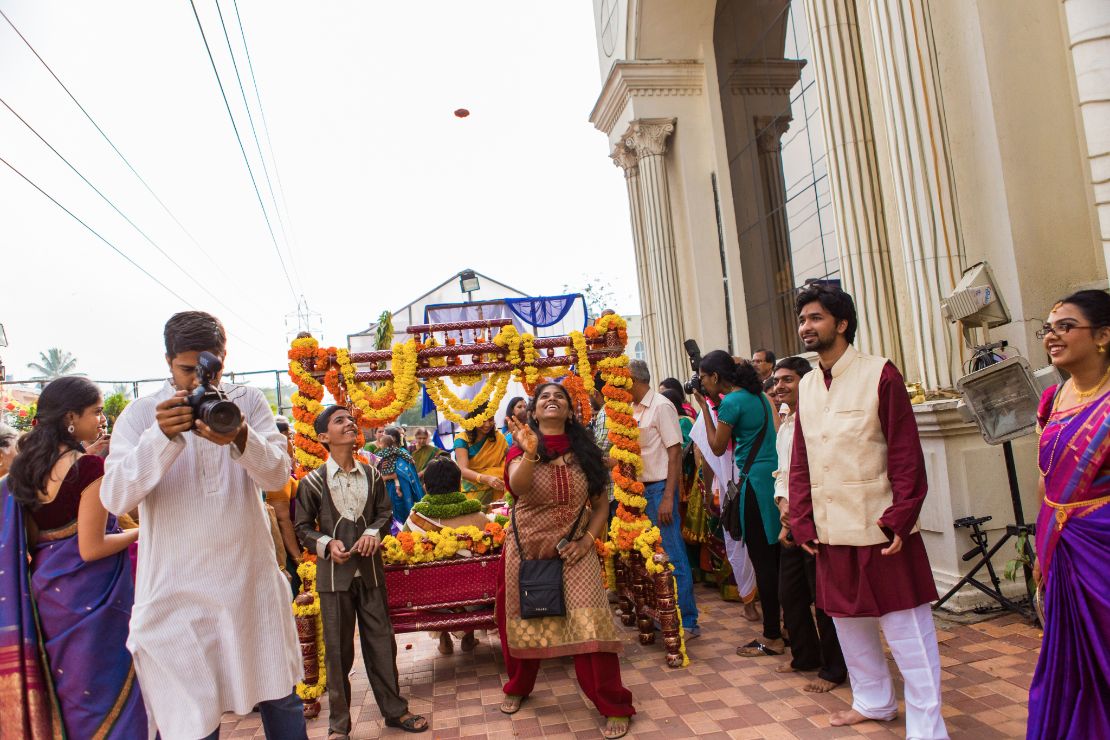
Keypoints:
pixel 1070 693
pixel 64 666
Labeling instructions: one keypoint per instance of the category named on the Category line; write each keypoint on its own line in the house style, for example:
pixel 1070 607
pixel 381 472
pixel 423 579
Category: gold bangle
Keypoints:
pixel 535 459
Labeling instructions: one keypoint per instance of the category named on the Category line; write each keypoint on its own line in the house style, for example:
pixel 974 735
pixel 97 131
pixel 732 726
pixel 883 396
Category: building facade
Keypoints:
pixel 885 144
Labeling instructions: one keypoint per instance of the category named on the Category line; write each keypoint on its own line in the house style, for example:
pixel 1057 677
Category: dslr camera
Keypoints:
pixel 209 403
pixel 694 353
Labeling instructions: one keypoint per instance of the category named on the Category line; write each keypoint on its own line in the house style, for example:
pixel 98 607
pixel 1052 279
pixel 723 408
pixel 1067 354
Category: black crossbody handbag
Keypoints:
pixel 541 580
pixel 731 516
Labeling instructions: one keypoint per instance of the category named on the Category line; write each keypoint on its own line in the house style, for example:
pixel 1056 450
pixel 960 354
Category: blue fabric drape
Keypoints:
pixel 542 311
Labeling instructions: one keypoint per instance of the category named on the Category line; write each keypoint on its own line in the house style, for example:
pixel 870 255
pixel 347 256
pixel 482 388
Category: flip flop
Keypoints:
pixel 754 647
pixel 519 702
pixel 626 721
pixel 408 725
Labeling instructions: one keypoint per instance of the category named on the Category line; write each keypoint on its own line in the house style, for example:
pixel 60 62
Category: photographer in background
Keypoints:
pixel 211 630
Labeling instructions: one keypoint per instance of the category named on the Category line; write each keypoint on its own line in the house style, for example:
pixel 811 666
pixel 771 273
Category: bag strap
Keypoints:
pixel 758 440
pixel 573 527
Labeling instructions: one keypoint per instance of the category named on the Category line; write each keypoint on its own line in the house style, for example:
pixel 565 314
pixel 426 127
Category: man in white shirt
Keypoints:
pixel 343 511
pixel 661 450
pixel 813 642
pixel 211 630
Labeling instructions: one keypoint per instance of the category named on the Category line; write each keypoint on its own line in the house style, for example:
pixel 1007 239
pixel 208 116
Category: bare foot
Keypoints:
pixel 852 717
pixel 616 727
pixel 446 646
pixel 511 704
pixel 469 642
pixel 786 668
pixel 819 686
pixel 751 612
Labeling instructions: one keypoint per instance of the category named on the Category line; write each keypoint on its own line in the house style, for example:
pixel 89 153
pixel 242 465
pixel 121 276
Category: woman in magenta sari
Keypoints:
pixel 63 659
pixel 1070 693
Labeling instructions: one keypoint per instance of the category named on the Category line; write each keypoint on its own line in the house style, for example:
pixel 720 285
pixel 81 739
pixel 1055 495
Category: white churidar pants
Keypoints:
pixel 742 568
pixel 912 638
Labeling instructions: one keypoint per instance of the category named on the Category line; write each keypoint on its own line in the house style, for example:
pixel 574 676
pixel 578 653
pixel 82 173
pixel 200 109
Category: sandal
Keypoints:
pixel 446 646
pixel 469 642
pixel 511 704
pixel 755 648
pixel 409 724
pixel 619 722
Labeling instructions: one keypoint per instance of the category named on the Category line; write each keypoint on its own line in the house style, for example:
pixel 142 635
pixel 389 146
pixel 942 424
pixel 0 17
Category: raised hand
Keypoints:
pixel 524 437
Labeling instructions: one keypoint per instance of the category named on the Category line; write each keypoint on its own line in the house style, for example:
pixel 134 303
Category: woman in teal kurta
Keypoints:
pixel 742 413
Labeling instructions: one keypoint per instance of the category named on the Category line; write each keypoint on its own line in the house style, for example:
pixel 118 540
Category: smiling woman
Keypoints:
pixel 557 474
pixel 1073 528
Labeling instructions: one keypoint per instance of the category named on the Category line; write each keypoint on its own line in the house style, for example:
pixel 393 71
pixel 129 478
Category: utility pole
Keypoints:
pixel 304 320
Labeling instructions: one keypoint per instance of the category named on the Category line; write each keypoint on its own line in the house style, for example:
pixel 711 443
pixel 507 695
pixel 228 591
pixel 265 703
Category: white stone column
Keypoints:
pixel 627 160
pixel 769 131
pixel 925 202
pixel 858 213
pixel 1089 38
pixel 648 137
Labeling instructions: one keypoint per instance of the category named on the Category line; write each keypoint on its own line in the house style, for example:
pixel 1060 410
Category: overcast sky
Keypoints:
pixel 387 192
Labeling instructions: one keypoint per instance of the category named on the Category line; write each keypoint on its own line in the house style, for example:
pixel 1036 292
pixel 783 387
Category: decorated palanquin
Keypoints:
pixel 444 577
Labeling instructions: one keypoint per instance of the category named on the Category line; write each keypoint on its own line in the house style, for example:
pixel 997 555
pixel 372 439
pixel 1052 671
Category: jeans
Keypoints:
pixel 282 719
pixel 675 547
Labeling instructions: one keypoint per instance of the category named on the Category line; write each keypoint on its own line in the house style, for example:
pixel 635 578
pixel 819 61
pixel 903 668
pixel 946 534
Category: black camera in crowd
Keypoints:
pixel 694 353
pixel 209 403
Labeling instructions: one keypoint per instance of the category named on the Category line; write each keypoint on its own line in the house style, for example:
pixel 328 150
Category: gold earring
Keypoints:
pixel 1102 349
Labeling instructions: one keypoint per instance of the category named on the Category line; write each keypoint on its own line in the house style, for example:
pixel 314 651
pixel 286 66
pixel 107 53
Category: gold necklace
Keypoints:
pixel 1084 395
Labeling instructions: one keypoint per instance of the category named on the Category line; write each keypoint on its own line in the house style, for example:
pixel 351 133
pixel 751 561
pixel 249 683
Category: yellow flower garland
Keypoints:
pixel 430 546
pixel 403 387
pixel 582 360
pixel 492 394
pixel 307 572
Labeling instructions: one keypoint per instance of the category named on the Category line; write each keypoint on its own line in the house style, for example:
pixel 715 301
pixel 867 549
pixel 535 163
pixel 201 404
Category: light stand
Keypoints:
pixel 984 357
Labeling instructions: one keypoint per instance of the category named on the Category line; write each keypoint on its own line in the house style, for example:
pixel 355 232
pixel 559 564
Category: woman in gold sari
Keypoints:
pixel 557 473
pixel 480 455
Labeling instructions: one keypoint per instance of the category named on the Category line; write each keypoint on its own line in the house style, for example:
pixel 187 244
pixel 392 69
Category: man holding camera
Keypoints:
pixel 211 630
pixel 857 484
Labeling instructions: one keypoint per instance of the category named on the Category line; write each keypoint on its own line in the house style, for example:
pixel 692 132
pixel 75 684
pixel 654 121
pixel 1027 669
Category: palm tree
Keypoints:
pixel 54 363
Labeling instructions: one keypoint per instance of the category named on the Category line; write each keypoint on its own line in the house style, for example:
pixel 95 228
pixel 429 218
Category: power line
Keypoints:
pixel 114 248
pixel 266 131
pixel 254 131
pixel 96 233
pixel 243 149
pixel 114 147
pixel 124 216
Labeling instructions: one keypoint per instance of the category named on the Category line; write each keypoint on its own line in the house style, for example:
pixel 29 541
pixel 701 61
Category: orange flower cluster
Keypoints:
pixel 496 533
pixel 579 398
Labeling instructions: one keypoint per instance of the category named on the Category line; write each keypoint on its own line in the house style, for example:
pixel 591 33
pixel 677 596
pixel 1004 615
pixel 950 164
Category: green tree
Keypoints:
pixel 114 405
pixel 54 363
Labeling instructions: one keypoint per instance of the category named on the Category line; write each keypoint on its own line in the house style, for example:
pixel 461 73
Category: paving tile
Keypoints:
pixel 986 669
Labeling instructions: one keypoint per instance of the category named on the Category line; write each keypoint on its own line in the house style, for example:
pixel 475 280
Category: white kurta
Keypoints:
pixel 212 629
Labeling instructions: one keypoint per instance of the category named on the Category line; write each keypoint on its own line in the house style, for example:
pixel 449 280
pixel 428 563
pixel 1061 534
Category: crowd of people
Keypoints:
pixel 140 592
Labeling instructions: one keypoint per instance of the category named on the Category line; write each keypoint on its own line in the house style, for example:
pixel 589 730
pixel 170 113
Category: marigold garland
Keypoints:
pixel 412 547
pixel 307 573
pixel 631 530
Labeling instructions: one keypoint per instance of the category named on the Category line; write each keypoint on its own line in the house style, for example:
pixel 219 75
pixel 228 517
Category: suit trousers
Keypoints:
pixel 340 611
pixel 812 645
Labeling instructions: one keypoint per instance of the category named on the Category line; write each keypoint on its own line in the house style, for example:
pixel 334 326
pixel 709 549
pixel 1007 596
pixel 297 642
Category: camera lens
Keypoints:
pixel 222 416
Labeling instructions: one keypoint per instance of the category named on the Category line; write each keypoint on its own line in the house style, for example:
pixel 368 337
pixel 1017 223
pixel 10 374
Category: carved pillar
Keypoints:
pixel 626 158
pixel 858 213
pixel 768 132
pixel 648 137
pixel 924 195
pixel 1089 37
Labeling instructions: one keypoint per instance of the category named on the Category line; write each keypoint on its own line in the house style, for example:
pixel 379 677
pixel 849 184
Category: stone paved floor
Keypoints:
pixel 987 667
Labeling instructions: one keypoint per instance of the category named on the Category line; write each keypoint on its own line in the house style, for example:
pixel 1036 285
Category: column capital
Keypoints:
pixel 769 131
pixel 648 136
pixel 625 157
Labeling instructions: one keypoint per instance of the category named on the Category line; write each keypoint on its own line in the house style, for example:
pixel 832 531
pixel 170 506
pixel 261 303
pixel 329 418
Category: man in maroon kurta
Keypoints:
pixel 857 484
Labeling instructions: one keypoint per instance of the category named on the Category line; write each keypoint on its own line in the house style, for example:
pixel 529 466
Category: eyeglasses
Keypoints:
pixel 1060 328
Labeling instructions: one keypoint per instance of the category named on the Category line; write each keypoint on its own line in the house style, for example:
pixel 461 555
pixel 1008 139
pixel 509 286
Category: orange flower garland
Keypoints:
pixel 309 453
pixel 631 530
